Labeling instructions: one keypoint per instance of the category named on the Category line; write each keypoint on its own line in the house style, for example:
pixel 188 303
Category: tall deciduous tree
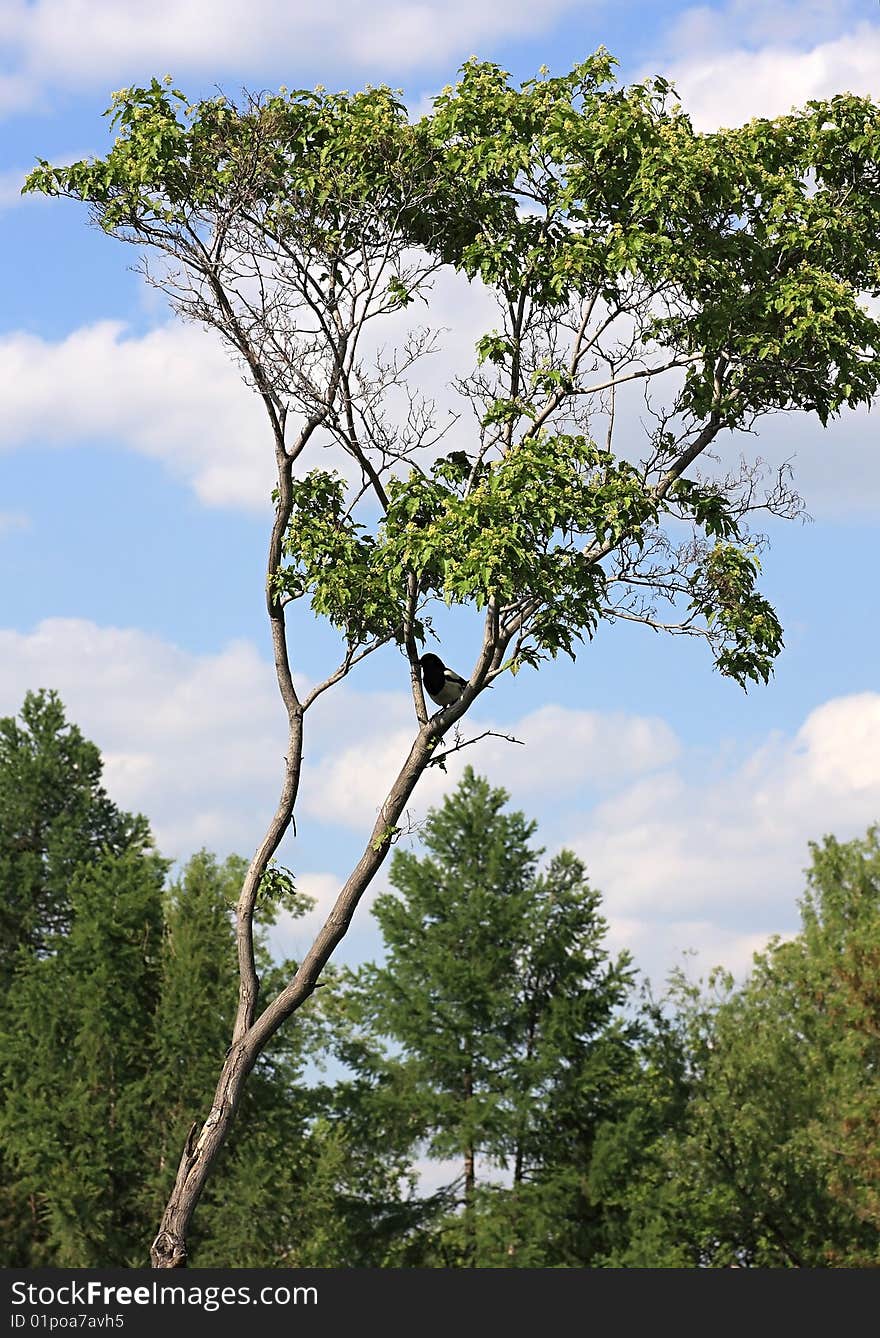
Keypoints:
pixel 722 272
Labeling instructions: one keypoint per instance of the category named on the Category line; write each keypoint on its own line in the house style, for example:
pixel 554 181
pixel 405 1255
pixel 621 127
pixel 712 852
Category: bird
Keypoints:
pixel 443 685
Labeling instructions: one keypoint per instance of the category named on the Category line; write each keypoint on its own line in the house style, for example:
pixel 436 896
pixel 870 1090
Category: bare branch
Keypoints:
pixel 345 668
pixel 438 759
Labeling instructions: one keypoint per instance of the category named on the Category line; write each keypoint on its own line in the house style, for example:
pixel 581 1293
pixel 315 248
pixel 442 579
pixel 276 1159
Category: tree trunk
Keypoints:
pixel 169 1249
pixel 470 1184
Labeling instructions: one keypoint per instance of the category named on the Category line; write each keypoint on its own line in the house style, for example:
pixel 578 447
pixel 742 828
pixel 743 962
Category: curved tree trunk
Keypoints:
pixel 169 1249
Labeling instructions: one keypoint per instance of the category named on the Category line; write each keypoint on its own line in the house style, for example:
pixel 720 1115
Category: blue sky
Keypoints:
pixel 135 471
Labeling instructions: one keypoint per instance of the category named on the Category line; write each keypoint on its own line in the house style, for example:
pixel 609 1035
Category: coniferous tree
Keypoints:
pixel 77 1056
pixel 299 1183
pixel 502 999
pixel 54 816
pixel 245 1221
pixel 55 819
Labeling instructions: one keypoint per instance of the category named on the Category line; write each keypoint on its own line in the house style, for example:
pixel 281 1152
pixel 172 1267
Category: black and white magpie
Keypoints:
pixel 444 686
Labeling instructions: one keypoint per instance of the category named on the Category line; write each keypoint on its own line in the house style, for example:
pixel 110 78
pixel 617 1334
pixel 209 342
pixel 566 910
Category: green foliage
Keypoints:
pixel 766 1150
pixel 111 1036
pixel 300 152
pixel 737 1126
pixel 336 563
pixel 617 183
pixel 278 892
pixel 518 533
pixel 723 588
pixel 739 257
pixel 77 1057
pixel 501 998
pixel 54 816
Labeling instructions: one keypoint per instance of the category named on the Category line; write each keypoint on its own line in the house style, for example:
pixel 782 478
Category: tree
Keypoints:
pixel 652 1209
pixel 255 1213
pixel 501 998
pixel 77 1058
pixel 771 1160
pixel 841 912
pixel 54 816
pixel 624 250
pixel 246 1220
pixel 55 819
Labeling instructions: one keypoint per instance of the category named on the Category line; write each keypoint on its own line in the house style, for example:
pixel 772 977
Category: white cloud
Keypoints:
pixel 194 741
pixel 171 394
pixel 291 937
pixel 835 469
pixel 75 43
pixel 727 85
pixel 587 749
pixel 174 395
pixel 658 948
pixel 714 861
pixel 754 23
pixel 563 752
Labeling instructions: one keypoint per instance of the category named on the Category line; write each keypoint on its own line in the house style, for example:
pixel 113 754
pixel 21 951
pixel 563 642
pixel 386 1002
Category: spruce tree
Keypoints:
pixel 502 999
pixel 55 820
pixel 77 1061
pixel 54 816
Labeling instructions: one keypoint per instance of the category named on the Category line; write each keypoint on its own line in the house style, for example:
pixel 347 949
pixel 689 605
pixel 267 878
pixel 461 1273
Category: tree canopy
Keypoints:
pixel 622 247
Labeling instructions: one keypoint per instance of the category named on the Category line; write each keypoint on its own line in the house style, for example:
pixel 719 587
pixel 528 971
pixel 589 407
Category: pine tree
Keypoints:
pixel 77 1060
pixel 55 819
pixel 54 816
pixel 502 1000
pixel 244 1221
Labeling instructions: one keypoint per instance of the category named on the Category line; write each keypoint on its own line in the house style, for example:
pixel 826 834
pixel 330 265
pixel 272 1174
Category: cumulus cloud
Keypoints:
pixel 714 862
pixel 754 23
pixel 171 394
pixel 724 83
pixel 835 469
pixel 194 741
pixel 71 44
pixel 563 752
pixel 174 395
pixel 292 936
pixel 656 948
